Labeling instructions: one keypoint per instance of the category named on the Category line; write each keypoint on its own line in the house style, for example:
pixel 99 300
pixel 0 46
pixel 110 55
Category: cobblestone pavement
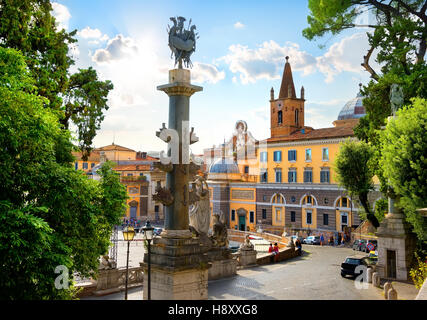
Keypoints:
pixel 315 275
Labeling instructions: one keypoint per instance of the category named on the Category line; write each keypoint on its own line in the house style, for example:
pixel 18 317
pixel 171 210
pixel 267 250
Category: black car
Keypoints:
pixel 348 267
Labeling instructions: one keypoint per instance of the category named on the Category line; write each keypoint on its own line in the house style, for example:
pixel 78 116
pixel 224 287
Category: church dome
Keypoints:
pixel 353 109
pixel 225 165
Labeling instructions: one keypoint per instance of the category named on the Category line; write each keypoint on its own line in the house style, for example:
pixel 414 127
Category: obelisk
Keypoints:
pixel 179 269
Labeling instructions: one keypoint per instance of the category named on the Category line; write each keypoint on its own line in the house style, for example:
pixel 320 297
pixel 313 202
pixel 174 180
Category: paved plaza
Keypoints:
pixel 315 275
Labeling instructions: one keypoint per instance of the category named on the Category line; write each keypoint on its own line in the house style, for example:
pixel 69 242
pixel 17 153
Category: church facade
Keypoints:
pixel 285 181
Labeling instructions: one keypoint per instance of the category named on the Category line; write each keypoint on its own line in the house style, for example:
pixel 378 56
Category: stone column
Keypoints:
pixel 179 269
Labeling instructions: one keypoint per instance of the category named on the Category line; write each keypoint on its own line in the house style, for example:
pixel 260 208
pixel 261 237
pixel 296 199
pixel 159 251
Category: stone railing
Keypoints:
pixel 240 236
pixel 111 281
pixel 284 254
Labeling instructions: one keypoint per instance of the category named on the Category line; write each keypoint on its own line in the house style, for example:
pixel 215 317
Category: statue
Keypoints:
pixel 247 245
pixel 199 212
pixel 219 237
pixel 106 263
pixel 182 42
pixel 396 98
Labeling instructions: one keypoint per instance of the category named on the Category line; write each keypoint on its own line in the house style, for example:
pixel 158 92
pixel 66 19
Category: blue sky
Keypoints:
pixel 239 57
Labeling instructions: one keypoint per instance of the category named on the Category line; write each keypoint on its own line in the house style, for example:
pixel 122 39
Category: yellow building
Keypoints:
pixel 288 182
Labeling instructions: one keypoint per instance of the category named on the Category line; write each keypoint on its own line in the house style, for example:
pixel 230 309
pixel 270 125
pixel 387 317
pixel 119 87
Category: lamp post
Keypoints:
pixel 128 235
pixel 148 236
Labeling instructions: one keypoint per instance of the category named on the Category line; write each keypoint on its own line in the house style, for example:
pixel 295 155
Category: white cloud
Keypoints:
pixel 89 33
pixel 203 72
pixel 61 14
pixel 239 25
pixel 267 60
pixel 117 48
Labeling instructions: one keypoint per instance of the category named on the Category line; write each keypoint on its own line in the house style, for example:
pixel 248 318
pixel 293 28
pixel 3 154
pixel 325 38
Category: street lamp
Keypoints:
pixel 148 236
pixel 128 235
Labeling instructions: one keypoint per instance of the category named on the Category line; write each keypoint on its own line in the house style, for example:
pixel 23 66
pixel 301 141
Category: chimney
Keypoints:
pixel 144 155
pixel 272 94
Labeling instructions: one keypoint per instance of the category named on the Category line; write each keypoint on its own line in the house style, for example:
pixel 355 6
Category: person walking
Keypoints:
pixel 298 245
pixel 322 239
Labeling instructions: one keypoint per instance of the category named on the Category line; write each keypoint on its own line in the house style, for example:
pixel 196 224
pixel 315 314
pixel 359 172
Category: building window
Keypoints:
pixel 296 117
pixel 308 175
pixel 233 215
pixel 76 165
pixel 325 201
pixel 277 155
pixel 308 217
pixel 308 200
pixel 324 175
pixel 325 219
pixel 92 164
pixel 264 198
pixel 130 175
pixel 279 117
pixel 263 156
pixel 156 209
pixel 278 198
pixel 251 217
pixel 246 169
pixel 344 203
pixel 133 190
pixel 307 154
pixel 264 213
pixel 85 165
pixel 141 174
pixel 293 199
pixel 293 216
pixel 292 155
pixel 292 176
pixel 325 154
pixel 264 177
pixel 278 175
pixel 278 215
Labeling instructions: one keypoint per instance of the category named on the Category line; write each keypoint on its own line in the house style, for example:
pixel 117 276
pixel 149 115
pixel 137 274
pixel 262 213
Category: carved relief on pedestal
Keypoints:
pixel 164 196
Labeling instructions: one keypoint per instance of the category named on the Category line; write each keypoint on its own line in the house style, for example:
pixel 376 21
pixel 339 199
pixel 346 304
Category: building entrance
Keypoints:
pixel 242 223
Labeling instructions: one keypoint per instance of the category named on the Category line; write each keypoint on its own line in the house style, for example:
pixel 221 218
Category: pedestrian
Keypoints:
pixel 271 251
pixel 321 239
pixel 298 245
pixel 276 252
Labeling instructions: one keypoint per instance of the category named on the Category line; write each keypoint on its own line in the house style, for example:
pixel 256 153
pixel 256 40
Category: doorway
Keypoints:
pixel 242 223
pixel 391 264
pixel 133 212
pixel 344 220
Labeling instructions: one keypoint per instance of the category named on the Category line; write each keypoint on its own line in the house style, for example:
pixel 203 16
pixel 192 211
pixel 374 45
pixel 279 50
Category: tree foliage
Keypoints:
pixel 404 161
pixel 354 173
pixel 28 26
pixel 55 214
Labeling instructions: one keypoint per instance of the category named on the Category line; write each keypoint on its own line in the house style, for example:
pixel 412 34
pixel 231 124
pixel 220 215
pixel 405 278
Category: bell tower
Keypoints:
pixel 287 111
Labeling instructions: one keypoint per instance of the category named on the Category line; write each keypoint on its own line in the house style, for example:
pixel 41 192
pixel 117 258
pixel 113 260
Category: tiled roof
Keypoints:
pixel 94 156
pixel 114 147
pixel 133 167
pixel 323 133
pixel 147 158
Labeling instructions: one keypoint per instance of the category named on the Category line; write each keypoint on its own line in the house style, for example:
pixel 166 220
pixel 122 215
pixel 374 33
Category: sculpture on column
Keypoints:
pixel 182 42
pixel 219 237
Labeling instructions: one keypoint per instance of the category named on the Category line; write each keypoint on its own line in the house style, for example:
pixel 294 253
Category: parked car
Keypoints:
pixel 157 231
pixel 294 238
pixel 348 267
pixel 312 240
pixel 357 244
pixel 364 246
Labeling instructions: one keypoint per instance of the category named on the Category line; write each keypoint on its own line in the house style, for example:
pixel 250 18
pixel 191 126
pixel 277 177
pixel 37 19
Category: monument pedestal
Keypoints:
pixel 247 257
pixel 396 246
pixel 179 270
pixel 223 264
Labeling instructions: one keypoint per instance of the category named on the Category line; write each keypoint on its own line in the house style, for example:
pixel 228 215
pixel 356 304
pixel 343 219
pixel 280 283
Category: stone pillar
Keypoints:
pixel 392 294
pixel 369 274
pixel 396 246
pixel 376 280
pixel 247 254
pixel 179 268
pixel 387 287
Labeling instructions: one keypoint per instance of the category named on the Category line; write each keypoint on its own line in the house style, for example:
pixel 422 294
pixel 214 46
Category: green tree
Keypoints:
pixel 354 173
pixel 81 98
pixel 404 161
pixel 59 216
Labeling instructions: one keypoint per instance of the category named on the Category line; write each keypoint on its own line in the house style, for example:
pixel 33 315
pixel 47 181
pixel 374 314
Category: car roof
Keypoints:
pixel 356 257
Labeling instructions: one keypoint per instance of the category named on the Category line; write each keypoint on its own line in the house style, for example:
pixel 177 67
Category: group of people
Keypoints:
pixel 341 239
pixel 132 222
pixel 275 251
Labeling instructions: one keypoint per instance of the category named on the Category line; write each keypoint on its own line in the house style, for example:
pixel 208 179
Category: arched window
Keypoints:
pixel 278 198
pixel 279 117
pixel 296 117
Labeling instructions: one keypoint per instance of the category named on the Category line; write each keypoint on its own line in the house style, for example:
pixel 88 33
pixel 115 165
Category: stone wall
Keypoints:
pixel 284 254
